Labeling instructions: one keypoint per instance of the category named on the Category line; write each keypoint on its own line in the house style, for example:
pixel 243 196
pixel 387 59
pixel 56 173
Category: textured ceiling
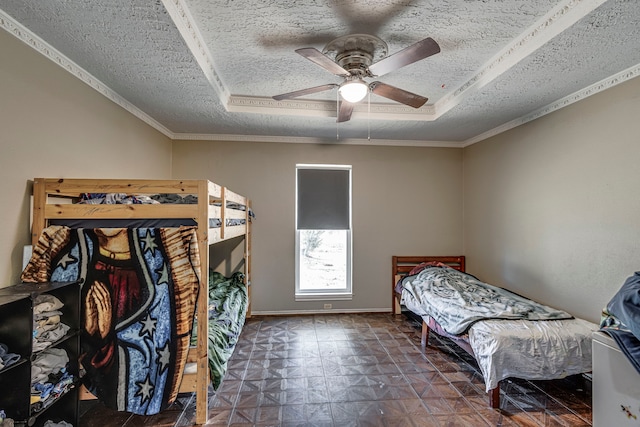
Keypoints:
pixel 207 69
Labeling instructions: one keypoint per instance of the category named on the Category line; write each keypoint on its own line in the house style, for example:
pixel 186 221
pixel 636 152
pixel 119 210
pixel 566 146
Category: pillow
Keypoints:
pixel 418 268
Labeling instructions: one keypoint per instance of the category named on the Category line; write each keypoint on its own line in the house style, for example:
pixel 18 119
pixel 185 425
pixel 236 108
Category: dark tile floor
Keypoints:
pixel 360 370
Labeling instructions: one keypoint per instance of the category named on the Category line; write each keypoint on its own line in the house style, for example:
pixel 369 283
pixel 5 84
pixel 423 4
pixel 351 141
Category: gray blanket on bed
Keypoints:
pixel 456 300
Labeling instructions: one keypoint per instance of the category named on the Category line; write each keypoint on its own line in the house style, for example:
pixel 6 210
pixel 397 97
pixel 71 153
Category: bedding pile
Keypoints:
pixel 138 300
pixel 621 319
pixel 228 301
pixel 456 300
pixel 175 199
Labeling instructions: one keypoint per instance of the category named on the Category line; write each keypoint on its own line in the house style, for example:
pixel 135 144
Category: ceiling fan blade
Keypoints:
pixel 303 92
pixel 344 113
pixel 317 57
pixel 397 94
pixel 409 55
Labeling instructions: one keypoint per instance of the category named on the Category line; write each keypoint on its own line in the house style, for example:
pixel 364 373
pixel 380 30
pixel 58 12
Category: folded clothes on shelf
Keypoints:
pixel 7 359
pixel 50 361
pixel 47 327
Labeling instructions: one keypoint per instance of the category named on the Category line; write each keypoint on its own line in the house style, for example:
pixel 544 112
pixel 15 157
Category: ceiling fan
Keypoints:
pixel 359 56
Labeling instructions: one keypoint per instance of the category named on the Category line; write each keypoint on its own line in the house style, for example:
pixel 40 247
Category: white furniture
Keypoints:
pixel 616 385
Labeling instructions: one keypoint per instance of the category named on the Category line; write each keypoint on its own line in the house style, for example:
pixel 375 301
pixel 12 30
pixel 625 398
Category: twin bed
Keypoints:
pixel 171 282
pixel 509 336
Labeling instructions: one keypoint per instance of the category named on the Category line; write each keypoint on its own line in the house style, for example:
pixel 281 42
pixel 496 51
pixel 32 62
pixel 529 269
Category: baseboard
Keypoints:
pixel 331 311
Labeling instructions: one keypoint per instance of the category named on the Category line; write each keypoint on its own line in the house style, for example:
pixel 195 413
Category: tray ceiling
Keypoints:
pixel 202 69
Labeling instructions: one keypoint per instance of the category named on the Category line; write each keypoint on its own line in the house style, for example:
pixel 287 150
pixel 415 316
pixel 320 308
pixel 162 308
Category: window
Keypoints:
pixel 323 232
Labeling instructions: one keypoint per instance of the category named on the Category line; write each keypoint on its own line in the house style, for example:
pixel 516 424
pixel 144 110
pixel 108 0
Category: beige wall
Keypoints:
pixel 53 125
pixel 552 208
pixel 406 201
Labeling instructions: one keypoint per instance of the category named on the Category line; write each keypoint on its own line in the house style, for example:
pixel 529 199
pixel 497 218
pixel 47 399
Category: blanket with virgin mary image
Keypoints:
pixel 138 300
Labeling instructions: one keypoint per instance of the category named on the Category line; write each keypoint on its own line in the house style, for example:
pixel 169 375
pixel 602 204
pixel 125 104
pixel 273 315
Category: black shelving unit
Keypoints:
pixel 16 331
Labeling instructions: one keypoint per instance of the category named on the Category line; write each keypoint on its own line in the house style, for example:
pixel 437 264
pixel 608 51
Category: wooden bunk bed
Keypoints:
pixel 54 199
pixel 498 344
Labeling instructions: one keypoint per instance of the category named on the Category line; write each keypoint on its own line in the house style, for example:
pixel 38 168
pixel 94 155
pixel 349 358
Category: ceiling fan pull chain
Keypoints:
pixel 337 115
pixel 369 117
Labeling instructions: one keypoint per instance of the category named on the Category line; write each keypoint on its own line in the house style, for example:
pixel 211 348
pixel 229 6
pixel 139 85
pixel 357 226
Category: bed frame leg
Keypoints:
pixel 494 397
pixel 424 340
pixel 397 308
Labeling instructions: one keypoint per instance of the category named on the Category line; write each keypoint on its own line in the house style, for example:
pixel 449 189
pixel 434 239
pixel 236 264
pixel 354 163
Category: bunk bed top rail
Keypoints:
pixel 70 187
pixel 70 211
pixel 54 199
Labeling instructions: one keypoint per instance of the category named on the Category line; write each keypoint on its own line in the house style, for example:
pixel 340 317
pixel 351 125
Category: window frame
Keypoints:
pixel 323 294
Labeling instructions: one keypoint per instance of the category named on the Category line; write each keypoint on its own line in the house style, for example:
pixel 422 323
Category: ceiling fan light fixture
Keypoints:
pixel 353 90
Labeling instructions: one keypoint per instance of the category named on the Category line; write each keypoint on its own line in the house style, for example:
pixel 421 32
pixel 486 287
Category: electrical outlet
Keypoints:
pixel 327 306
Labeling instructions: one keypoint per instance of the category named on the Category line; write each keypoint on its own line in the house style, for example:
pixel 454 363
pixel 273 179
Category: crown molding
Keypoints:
pixel 22 33
pixel 322 108
pixel 557 20
pixel 600 86
pixel 579 95
pixel 186 25
pixel 326 108
pixel 311 140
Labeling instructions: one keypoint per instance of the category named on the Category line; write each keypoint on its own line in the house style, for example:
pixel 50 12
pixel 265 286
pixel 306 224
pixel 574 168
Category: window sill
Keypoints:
pixel 324 296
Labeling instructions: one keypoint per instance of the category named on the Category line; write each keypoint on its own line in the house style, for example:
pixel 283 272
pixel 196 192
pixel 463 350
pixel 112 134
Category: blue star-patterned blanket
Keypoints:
pixel 456 300
pixel 138 301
